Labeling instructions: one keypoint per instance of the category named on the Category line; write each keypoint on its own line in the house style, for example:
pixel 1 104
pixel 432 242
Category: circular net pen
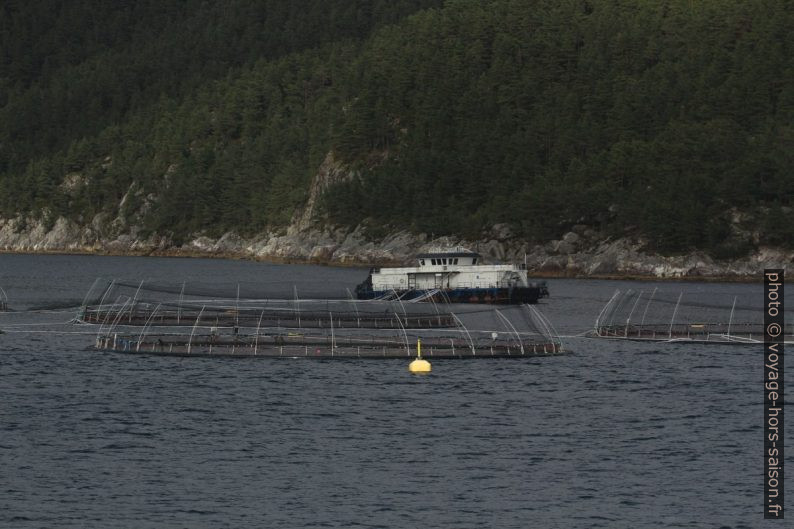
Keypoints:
pixel 474 344
pixel 678 315
pixel 192 326
pixel 185 305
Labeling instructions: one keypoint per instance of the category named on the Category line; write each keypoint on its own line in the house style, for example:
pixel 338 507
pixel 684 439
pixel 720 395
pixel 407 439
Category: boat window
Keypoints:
pixel 422 262
pixel 455 261
pixel 444 260
pixel 432 261
pixel 474 261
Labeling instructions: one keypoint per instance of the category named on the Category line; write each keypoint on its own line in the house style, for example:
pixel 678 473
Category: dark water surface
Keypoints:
pixel 618 434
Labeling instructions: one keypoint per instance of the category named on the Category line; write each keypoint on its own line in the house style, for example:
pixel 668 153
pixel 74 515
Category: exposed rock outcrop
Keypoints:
pixel 582 251
pixel 330 172
pixel 571 256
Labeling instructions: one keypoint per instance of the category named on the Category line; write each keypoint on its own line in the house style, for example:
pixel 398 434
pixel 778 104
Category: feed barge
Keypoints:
pixel 453 276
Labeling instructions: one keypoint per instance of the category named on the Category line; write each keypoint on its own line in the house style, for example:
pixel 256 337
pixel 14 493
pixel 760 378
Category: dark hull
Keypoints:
pixel 506 296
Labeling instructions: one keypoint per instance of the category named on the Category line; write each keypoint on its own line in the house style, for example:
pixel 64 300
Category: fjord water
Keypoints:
pixel 616 434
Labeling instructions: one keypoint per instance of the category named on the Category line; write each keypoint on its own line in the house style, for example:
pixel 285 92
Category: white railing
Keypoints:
pixel 403 286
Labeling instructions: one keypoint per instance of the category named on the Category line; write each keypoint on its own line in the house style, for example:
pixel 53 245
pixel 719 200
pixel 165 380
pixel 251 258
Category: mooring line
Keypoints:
pixel 7 331
pixel 7 325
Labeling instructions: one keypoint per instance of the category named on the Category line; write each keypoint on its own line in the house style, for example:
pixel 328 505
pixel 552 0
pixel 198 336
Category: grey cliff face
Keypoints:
pixel 571 256
pixel 581 252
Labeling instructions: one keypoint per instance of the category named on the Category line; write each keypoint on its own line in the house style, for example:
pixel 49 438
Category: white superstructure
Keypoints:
pixel 455 269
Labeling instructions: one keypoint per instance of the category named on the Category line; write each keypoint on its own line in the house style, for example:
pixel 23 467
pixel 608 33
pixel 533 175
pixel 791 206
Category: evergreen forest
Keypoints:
pixel 672 121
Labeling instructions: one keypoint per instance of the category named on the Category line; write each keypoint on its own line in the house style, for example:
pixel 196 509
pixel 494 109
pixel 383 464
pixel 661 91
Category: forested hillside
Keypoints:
pixel 673 121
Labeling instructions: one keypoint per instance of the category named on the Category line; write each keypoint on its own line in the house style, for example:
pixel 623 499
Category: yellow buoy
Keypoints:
pixel 420 365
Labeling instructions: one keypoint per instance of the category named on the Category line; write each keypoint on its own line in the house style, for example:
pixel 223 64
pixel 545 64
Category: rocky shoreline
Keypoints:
pixel 579 253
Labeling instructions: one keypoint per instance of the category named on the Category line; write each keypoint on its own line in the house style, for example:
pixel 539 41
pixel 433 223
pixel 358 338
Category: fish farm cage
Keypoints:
pixel 293 345
pixel 146 305
pixel 694 316
pixel 314 315
pixel 178 320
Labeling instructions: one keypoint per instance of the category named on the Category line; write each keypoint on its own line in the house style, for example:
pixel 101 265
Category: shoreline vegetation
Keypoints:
pixel 535 274
pixel 667 124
